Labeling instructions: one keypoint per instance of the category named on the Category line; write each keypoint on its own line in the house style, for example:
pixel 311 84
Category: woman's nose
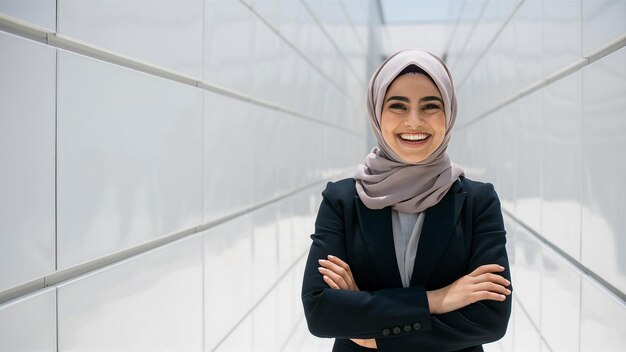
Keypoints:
pixel 414 117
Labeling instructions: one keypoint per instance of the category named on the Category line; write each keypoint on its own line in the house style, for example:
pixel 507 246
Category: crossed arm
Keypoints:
pixel 480 284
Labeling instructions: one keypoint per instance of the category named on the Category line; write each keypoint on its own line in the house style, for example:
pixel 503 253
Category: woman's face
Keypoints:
pixel 413 119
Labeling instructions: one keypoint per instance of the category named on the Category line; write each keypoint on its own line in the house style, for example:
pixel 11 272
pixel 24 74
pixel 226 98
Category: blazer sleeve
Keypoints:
pixel 359 314
pixel 352 314
pixel 481 322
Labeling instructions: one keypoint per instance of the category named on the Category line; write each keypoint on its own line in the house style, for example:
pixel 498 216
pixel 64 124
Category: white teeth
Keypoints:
pixel 414 136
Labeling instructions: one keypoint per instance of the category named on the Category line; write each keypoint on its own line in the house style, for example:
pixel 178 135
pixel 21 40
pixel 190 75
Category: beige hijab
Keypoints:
pixel 384 179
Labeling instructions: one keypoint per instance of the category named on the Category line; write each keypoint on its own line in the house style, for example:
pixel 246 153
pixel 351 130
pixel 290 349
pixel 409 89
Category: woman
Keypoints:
pixel 409 255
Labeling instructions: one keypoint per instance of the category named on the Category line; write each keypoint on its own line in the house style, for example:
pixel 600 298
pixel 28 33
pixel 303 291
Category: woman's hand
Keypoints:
pixel 338 276
pixel 481 284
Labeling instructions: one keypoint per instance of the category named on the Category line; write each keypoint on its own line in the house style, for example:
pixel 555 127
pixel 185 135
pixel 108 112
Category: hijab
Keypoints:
pixel 384 179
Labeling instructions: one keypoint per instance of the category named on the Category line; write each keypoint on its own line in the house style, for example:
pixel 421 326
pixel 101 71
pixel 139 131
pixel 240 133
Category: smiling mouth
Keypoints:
pixel 414 138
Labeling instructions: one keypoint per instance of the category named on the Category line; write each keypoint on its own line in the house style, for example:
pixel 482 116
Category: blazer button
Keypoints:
pixel 396 330
pixel 417 326
pixel 407 328
pixel 386 332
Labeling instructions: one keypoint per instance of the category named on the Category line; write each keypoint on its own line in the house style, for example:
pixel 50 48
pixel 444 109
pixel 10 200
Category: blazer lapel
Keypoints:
pixel 438 229
pixel 378 237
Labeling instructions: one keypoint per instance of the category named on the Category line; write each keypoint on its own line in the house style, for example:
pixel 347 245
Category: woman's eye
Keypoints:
pixel 397 107
pixel 431 107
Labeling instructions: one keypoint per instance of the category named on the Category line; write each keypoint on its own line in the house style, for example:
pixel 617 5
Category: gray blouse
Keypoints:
pixel 407 228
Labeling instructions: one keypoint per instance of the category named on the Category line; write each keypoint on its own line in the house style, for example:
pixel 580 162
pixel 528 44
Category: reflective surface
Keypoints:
pixel 230 36
pixel 228 278
pixel 528 158
pixel 604 140
pixel 229 154
pixel 602 320
pixel 27 122
pixel 529 31
pixel 129 159
pixel 39 12
pixel 137 304
pixel 164 33
pixel 527 264
pixel 560 298
pixel 561 34
pixel 29 324
pixel 602 22
pixel 468 15
pixel 265 251
pixel 526 336
pixel 256 299
pixel 562 131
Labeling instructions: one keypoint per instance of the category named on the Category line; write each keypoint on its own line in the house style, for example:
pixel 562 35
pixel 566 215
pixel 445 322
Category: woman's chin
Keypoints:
pixel 413 155
pixel 412 158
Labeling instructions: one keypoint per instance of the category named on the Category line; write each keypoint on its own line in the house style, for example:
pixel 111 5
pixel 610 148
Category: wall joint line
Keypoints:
pixel 88 268
pixel 29 31
pixel 619 296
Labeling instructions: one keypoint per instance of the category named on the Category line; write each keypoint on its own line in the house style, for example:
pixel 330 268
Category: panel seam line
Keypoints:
pixel 574 67
pixel 33 32
pixel 261 299
pixel 295 49
pixel 81 270
pixel 614 292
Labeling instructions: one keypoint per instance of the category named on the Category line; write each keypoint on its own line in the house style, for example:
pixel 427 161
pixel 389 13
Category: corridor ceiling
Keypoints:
pixel 416 11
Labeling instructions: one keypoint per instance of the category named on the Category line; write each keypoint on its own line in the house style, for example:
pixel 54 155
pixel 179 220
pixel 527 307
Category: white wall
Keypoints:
pixel 432 37
pixel 542 87
pixel 162 164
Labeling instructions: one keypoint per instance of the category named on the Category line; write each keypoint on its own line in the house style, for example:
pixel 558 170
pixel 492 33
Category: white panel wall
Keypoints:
pixel 541 115
pixel 38 12
pixel 596 313
pixel 27 138
pixel 129 158
pixel 604 106
pixel 162 167
pixel 29 323
pixel 164 33
pixel 602 23
pixel 561 34
pixel 151 302
pixel 227 246
pixel 561 144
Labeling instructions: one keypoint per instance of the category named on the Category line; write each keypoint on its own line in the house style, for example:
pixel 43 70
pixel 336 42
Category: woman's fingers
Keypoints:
pixel 491 296
pixel 484 283
pixel 489 277
pixel 339 262
pixel 487 268
pixel 337 279
pixel 339 271
pixel 491 287
pixel 485 279
pixel 333 267
pixel 331 283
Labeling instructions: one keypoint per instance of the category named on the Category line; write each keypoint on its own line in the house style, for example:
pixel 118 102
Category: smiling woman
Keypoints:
pixel 409 255
pixel 413 121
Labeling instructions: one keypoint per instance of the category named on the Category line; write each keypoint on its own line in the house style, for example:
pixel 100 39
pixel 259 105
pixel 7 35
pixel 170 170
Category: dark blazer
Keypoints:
pixel 460 233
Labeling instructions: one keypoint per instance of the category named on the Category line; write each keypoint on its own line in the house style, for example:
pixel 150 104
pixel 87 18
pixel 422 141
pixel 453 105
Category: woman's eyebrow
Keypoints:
pixel 395 97
pixel 407 100
pixel 431 97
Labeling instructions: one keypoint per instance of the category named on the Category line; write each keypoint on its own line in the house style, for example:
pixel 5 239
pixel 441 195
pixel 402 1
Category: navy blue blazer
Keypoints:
pixel 460 233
